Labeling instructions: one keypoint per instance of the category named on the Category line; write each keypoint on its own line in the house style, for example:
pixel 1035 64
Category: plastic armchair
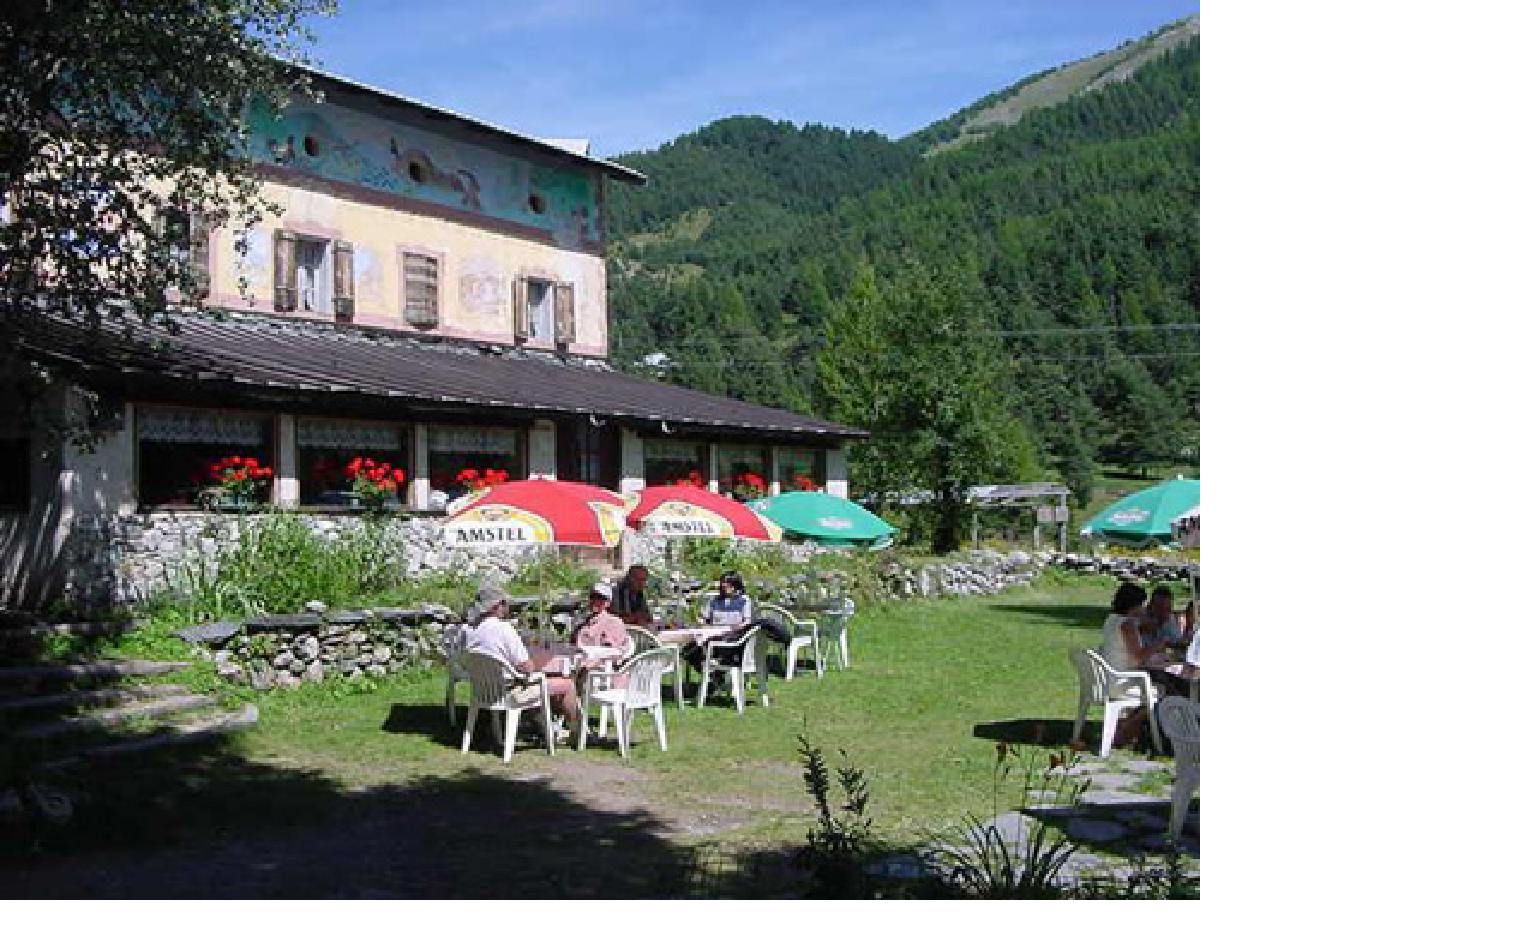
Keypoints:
pixel 644 691
pixel 834 631
pixel 645 640
pixel 499 688
pixel 1100 684
pixel 804 635
pixel 454 653
pixel 1181 720
pixel 747 644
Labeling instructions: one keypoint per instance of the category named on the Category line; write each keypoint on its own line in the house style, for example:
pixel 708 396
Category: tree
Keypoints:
pixel 910 363
pixel 122 125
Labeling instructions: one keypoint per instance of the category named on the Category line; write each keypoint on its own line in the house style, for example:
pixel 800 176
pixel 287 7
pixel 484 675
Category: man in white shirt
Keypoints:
pixel 489 633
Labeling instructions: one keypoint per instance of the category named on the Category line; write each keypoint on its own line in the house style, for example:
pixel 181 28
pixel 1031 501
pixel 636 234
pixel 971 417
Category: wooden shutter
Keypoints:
pixel 200 255
pixel 421 289
pixel 522 296
pixel 345 280
pixel 563 313
pixel 285 299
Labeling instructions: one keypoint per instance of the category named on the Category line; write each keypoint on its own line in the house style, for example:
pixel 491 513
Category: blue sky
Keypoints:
pixel 632 75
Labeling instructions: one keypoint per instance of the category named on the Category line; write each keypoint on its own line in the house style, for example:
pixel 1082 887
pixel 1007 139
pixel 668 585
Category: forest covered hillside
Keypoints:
pixel 1061 242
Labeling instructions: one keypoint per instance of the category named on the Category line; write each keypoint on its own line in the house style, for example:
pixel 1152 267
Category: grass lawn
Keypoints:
pixel 385 765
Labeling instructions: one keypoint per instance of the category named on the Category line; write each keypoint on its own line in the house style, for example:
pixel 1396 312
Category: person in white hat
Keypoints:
pixel 600 628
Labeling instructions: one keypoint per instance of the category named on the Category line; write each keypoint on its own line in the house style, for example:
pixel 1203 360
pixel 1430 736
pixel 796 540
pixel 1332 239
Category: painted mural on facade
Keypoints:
pixel 351 146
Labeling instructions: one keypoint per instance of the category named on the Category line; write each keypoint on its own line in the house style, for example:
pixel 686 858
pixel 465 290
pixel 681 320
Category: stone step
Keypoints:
pixel 81 629
pixel 91 697
pixel 97 669
pixel 105 718
pixel 178 734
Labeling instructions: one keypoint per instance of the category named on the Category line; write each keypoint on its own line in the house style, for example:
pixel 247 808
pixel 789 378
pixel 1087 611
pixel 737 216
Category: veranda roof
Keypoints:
pixel 260 358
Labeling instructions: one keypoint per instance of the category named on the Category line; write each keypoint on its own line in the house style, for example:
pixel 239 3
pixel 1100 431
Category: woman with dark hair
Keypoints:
pixel 731 605
pixel 1123 647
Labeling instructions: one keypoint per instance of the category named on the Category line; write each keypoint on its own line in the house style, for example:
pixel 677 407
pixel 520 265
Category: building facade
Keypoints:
pixel 430 296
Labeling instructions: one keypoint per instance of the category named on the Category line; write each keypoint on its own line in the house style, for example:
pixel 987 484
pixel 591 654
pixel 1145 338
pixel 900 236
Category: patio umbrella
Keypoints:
pixel 683 511
pixel 1147 515
pixel 537 511
pixel 824 518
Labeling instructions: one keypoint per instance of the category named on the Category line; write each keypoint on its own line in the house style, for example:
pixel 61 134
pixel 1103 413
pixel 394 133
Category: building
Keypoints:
pixel 432 296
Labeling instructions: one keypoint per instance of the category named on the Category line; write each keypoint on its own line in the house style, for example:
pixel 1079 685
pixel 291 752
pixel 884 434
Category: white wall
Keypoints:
pixel 837 470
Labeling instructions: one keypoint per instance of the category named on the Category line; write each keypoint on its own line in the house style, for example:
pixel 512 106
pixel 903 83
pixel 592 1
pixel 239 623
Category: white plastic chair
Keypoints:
pixel 804 635
pixel 498 688
pixel 1100 684
pixel 454 652
pixel 645 640
pixel 834 631
pixel 747 665
pixel 1181 720
pixel 644 691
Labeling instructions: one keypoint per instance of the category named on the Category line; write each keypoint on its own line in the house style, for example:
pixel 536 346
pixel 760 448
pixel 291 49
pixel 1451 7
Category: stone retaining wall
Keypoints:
pixel 285 651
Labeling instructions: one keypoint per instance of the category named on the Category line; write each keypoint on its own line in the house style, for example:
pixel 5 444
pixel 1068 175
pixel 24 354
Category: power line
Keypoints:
pixel 777 362
pixel 1013 333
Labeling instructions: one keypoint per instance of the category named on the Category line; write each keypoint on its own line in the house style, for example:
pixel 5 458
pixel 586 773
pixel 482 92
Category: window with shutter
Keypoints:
pixel 421 291
pixel 285 279
pixel 200 254
pixel 522 314
pixel 539 310
pixel 564 313
pixel 345 281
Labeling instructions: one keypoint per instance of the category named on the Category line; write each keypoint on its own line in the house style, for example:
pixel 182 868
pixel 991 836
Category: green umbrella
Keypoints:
pixel 824 518
pixel 1149 514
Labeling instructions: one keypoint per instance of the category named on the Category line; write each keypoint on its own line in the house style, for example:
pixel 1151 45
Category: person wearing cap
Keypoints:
pixel 490 633
pixel 600 628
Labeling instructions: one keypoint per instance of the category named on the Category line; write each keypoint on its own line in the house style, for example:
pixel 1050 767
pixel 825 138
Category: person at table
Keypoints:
pixel 1158 624
pixel 628 600
pixel 1192 611
pixel 600 628
pixel 490 633
pixel 731 605
pixel 1122 645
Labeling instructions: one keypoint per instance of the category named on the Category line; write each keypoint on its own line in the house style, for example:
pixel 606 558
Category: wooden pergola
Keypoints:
pixel 1048 499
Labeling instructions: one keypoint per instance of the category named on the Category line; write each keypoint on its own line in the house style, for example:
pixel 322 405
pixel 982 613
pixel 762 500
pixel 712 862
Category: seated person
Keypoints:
pixel 490 633
pixel 1124 649
pixel 600 628
pixel 1192 611
pixel 628 601
pixel 731 605
pixel 1159 625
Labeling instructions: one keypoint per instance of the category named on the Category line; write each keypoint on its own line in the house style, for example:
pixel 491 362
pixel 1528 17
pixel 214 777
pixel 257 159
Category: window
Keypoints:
pixel 327 447
pixel 180 450
pixel 544 311
pixel 743 472
pixel 421 291
pixel 459 455
pixel 668 462
pixel 190 240
pixel 15 469
pixel 801 469
pixel 314 276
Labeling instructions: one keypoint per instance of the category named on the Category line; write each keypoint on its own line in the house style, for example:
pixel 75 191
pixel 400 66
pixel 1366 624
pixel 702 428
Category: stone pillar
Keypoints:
pixel 774 468
pixel 837 472
pixel 419 462
pixel 542 450
pixel 631 462
pixel 287 495
pixel 711 458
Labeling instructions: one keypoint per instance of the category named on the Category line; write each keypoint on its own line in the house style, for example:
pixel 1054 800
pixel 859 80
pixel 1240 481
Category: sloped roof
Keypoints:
pixel 265 358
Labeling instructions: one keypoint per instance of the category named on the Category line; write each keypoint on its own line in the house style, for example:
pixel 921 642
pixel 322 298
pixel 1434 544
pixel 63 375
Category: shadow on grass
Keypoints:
pixel 1026 731
pixel 1074 616
pixel 207 822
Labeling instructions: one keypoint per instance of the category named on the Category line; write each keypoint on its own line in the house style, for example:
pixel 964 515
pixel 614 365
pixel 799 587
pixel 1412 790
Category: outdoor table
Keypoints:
pixel 691 635
pixel 1168 674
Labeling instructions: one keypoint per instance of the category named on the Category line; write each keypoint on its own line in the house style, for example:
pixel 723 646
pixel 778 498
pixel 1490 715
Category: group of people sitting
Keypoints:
pixel 1139 630
pixel 603 623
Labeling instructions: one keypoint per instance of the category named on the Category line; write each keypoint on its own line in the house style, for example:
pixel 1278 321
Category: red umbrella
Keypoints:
pixel 537 511
pixel 683 511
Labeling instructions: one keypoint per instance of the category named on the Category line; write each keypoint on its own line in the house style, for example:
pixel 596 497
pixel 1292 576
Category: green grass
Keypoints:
pixel 326 759
pixel 923 675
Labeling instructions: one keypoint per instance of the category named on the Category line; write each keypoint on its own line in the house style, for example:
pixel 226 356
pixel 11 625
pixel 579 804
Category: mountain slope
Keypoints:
pixel 1077 224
